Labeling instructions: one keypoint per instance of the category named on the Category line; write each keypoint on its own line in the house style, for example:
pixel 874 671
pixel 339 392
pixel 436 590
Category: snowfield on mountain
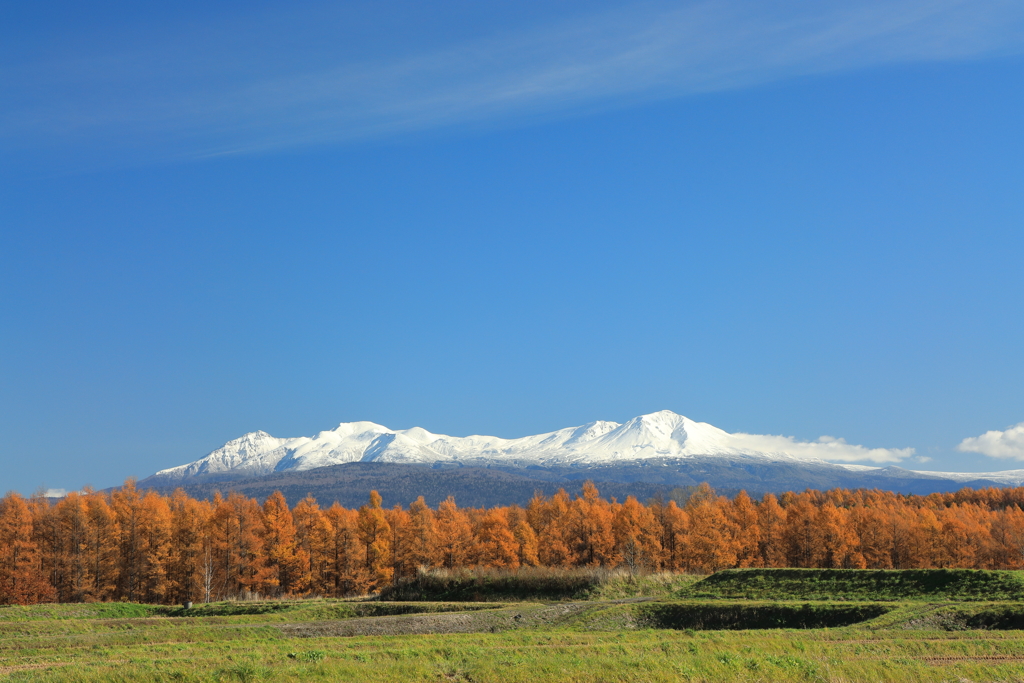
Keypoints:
pixel 658 435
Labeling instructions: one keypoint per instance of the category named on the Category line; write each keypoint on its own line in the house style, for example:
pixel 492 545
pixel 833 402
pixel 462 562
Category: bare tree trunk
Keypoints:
pixel 207 573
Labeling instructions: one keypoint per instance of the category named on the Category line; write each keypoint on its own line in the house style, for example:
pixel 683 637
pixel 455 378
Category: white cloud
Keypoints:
pixel 205 95
pixel 55 493
pixel 1008 444
pixel 825 448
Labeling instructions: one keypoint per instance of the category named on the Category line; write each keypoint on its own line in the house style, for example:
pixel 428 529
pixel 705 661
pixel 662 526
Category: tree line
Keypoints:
pixel 142 546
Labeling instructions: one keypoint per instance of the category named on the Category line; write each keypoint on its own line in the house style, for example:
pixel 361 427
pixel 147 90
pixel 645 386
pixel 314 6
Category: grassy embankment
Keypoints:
pixel 860 584
pixel 925 626
pixel 535 584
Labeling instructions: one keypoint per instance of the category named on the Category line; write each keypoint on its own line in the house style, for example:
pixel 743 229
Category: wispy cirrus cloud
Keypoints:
pixel 1007 444
pixel 194 98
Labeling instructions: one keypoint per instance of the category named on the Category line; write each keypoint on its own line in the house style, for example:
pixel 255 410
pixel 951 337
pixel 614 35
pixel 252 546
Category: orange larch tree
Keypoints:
pixel 47 539
pixel 771 520
pixel 924 539
pixel 962 536
pixel 496 544
pixel 1007 539
pixel 870 526
pixel 637 539
pixel 347 572
pixel 403 562
pixel 835 543
pixel 189 557
pixel 287 561
pixel 710 539
pixel 375 534
pixel 898 519
pixel 312 534
pixel 454 535
pixel 675 525
pixel 72 562
pixel 800 533
pixel 549 517
pixel 102 547
pixel 422 535
pixel 143 546
pixel 155 549
pixel 239 558
pixel 22 581
pixel 742 514
pixel 588 529
pixel 127 504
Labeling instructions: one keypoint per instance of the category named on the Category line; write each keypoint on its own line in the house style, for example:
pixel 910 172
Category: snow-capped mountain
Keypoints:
pixel 662 434
pixel 657 437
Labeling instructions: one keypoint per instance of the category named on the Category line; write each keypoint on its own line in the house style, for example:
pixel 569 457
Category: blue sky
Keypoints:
pixel 786 218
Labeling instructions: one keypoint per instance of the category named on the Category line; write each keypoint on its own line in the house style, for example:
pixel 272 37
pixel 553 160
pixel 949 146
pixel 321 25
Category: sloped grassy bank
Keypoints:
pixel 859 584
pixel 744 584
pixel 264 611
pixel 483 585
pixel 491 585
pixel 738 615
pixel 717 616
pixel 950 616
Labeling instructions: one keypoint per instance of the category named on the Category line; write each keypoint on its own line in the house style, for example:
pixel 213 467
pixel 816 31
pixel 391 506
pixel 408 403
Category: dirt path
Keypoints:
pixel 487 621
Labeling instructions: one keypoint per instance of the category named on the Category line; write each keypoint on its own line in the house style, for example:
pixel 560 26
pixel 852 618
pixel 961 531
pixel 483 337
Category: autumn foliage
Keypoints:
pixel 145 547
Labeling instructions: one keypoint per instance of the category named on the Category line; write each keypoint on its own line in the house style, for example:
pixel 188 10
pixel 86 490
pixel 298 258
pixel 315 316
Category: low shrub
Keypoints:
pixel 860 584
pixel 712 616
pixel 482 585
pixel 534 583
pixel 1001 618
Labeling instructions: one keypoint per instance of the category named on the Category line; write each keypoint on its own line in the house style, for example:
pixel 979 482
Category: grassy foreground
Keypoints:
pixel 627 634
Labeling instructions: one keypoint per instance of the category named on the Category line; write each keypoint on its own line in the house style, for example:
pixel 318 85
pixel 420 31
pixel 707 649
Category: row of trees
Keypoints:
pixel 142 546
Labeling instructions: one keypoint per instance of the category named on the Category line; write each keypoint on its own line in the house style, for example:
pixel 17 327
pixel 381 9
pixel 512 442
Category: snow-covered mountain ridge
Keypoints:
pixel 662 434
pixel 655 436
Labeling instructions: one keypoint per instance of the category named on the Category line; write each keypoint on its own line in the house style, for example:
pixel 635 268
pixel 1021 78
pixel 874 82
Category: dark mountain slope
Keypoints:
pixel 350 483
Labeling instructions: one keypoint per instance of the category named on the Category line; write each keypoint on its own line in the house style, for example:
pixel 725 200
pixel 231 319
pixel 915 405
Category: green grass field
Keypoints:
pixel 649 629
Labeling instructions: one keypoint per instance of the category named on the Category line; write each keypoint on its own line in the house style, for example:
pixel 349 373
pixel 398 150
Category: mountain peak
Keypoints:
pixel 663 415
pixel 359 427
pixel 663 437
pixel 258 435
pixel 662 434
